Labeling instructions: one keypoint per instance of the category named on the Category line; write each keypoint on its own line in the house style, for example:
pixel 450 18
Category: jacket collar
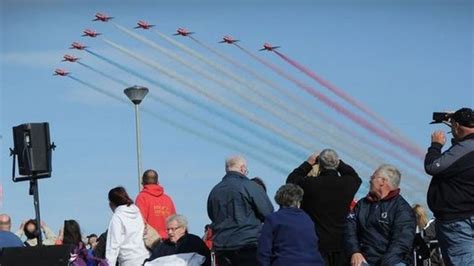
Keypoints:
pixel 454 141
pixel 331 172
pixel 235 174
pixel 372 197
pixel 470 136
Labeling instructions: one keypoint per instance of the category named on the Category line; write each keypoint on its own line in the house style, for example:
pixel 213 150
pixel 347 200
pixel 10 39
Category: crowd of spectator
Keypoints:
pixel 318 221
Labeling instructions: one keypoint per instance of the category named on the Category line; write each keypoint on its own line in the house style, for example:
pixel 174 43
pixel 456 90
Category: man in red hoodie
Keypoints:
pixel 153 203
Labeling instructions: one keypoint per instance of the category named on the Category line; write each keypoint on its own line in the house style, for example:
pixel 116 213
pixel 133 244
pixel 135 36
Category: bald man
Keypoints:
pixel 7 238
pixel 237 208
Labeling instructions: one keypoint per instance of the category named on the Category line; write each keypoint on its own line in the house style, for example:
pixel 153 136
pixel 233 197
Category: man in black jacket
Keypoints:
pixel 451 191
pixel 326 200
pixel 381 228
pixel 179 241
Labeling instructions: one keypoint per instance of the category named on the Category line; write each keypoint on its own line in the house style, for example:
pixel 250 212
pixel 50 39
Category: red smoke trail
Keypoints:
pixel 307 106
pixel 339 92
pixel 224 143
pixel 357 119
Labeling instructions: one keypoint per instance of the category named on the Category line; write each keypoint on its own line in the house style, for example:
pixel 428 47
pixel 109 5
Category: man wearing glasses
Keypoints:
pixel 237 208
pixel 180 245
pixel 381 228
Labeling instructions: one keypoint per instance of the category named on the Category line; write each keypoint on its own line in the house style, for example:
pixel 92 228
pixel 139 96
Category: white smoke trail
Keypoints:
pixel 204 136
pixel 283 112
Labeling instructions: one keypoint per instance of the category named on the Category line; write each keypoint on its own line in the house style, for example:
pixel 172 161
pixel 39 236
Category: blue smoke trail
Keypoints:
pixel 104 74
pixel 271 139
pixel 191 115
pixel 223 143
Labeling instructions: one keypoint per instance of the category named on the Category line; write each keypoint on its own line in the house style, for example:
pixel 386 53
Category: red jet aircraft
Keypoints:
pixel 60 72
pixel 269 47
pixel 78 46
pixel 102 17
pixel 70 58
pixel 183 32
pixel 143 24
pixel 228 39
pixel 90 33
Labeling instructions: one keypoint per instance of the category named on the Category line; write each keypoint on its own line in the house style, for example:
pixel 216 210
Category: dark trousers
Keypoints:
pixel 246 256
pixel 334 258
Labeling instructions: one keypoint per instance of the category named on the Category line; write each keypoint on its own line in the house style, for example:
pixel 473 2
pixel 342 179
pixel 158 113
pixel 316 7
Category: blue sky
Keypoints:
pixel 402 59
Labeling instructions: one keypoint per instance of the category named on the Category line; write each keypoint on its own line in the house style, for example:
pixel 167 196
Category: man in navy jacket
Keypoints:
pixel 451 192
pixel 7 238
pixel 381 228
pixel 237 208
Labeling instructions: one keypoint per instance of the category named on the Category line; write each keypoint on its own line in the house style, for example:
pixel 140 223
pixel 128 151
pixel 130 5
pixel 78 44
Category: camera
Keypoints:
pixel 440 117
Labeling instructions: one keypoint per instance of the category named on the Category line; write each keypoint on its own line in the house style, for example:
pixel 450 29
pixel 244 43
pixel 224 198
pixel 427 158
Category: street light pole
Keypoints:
pixel 136 94
pixel 139 145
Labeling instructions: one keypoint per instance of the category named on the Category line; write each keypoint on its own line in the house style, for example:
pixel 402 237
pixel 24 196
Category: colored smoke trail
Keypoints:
pixel 222 101
pixel 270 139
pixel 105 92
pixel 254 74
pixel 357 119
pixel 339 92
pixel 278 109
pixel 262 104
pixel 271 164
pixel 303 105
pixel 357 154
pixel 120 66
pixel 105 74
pixel 223 130
pixel 341 142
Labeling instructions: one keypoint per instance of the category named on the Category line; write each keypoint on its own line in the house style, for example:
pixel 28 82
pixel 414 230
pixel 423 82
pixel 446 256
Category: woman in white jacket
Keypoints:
pixel 125 235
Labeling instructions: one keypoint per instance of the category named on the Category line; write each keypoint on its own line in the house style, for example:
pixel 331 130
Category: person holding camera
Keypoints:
pixel 327 198
pixel 451 191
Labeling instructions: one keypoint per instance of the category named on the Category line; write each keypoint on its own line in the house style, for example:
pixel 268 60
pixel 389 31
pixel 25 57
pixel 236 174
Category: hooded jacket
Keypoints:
pixel 155 207
pixel 125 237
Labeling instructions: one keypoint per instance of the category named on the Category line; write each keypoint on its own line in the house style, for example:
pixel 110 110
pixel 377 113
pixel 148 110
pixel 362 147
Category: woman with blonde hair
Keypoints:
pixel 421 218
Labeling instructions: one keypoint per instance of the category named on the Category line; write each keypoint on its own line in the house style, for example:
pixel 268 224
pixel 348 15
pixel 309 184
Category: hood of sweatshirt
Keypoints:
pixel 128 212
pixel 153 189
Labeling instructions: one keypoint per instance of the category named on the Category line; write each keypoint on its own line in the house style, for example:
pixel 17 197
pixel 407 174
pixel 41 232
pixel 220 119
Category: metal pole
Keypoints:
pixel 34 189
pixel 139 159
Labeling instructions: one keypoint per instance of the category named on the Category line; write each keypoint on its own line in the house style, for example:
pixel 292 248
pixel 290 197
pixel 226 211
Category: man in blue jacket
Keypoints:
pixel 381 228
pixel 451 191
pixel 237 207
pixel 7 238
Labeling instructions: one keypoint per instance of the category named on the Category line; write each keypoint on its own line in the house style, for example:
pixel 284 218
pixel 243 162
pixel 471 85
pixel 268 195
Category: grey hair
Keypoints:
pixel 180 219
pixel 289 195
pixel 391 173
pixel 328 159
pixel 233 163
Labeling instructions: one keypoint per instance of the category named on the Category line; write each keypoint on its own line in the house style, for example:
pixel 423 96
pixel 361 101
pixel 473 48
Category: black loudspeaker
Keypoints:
pixel 36 256
pixel 33 148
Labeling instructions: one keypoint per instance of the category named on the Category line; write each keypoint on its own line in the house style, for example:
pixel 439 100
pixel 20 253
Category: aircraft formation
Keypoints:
pixel 141 24
pixel 279 139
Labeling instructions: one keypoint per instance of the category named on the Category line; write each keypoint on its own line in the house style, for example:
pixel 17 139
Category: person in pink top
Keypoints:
pixel 154 204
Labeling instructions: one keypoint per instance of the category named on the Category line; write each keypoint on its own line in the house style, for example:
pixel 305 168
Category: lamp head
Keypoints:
pixel 136 93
